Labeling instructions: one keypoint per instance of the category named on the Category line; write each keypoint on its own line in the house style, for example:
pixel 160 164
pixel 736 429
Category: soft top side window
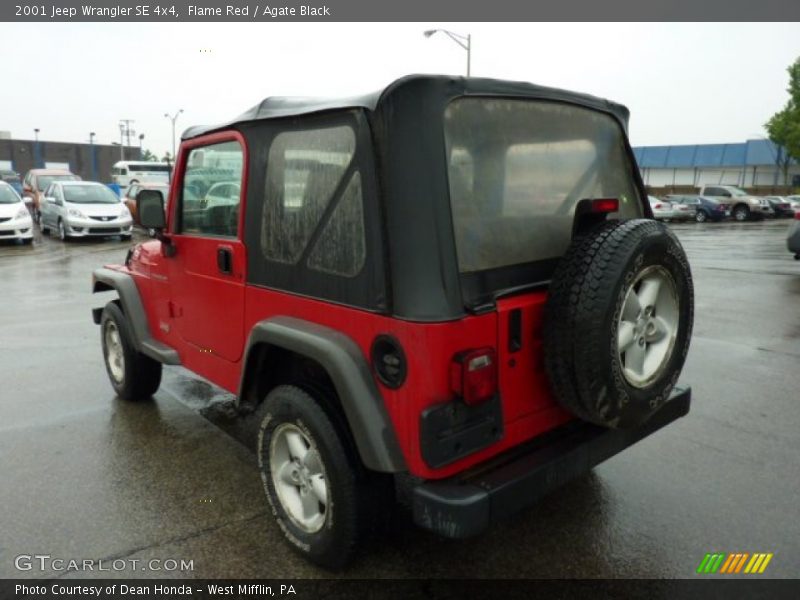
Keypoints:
pixel 203 211
pixel 307 171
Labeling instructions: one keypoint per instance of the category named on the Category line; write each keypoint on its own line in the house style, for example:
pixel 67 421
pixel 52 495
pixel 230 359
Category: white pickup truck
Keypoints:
pixel 744 206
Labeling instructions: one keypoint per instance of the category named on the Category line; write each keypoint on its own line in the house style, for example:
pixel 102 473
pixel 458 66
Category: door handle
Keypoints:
pixel 225 260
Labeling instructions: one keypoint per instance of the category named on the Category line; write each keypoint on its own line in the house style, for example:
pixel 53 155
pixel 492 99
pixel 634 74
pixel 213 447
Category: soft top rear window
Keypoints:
pixel 517 169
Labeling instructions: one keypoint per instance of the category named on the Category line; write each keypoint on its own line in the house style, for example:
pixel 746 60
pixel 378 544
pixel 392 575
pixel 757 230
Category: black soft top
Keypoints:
pixel 436 88
pixel 402 128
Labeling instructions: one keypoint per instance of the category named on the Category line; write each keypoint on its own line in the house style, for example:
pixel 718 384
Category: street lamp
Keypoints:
pixel 173 119
pixel 93 159
pixel 141 138
pixel 122 141
pixel 465 41
pixel 36 151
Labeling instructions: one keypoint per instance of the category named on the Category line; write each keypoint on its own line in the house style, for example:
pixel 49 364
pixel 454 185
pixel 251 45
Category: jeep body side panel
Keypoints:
pixel 106 279
pixel 429 348
pixel 344 362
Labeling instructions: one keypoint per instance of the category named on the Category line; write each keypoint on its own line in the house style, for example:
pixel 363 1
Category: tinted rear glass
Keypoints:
pixel 518 168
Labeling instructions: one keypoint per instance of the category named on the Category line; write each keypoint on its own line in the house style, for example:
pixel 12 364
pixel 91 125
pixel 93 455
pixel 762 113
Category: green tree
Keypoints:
pixel 784 126
pixel 149 156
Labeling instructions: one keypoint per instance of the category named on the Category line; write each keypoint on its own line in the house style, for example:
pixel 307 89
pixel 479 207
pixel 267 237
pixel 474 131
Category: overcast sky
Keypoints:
pixel 684 83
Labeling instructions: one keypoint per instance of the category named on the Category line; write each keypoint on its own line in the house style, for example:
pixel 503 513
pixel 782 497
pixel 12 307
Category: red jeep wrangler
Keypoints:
pixel 453 285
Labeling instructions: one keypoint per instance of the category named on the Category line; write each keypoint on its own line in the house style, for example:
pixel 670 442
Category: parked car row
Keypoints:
pixel 677 207
pixel 728 202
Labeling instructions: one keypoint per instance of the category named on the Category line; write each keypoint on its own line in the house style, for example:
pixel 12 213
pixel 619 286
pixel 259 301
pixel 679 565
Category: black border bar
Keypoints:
pixel 399 10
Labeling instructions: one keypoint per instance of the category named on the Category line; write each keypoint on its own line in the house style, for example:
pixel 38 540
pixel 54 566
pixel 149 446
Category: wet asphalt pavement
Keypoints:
pixel 84 475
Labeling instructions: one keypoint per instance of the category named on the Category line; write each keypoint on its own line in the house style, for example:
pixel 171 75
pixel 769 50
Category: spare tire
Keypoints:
pixel 618 322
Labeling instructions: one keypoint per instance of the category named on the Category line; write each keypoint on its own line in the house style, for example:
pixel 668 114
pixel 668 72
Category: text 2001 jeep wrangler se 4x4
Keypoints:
pixel 453 286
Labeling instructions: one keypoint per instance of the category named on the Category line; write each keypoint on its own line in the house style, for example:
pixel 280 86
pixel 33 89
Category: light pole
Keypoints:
pixel 141 139
pixel 465 41
pixel 173 118
pixel 122 141
pixel 36 152
pixel 92 157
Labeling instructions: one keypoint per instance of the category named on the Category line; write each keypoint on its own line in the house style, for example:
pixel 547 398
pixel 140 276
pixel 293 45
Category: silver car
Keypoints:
pixel 84 208
pixel 662 210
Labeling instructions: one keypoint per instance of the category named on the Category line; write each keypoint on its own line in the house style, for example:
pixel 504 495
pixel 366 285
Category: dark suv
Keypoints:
pixel 449 292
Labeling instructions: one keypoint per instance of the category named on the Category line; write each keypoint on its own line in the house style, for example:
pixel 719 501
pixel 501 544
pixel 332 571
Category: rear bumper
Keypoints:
pixel 463 507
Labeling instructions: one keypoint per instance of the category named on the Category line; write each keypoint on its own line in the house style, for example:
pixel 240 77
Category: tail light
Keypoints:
pixel 473 375
pixel 797 215
pixel 658 206
pixel 605 205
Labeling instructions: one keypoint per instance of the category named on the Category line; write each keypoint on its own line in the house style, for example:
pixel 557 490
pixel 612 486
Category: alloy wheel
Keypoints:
pixel 299 477
pixel 647 326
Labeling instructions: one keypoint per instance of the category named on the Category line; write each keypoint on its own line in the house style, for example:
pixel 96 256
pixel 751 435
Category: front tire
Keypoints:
pixel 62 231
pixel 133 375
pixel 316 487
pixel 701 216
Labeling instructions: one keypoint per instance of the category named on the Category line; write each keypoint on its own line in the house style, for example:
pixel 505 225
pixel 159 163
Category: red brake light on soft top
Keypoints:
pixel 605 205
pixel 473 375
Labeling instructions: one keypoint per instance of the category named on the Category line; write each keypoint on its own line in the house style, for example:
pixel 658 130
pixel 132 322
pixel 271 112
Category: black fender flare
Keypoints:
pixel 105 279
pixel 340 356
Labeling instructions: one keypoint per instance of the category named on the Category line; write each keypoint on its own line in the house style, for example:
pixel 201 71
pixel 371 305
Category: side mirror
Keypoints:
pixel 150 209
pixel 50 200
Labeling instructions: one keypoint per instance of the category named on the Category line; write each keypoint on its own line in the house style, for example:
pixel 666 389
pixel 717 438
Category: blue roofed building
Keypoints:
pixel 752 163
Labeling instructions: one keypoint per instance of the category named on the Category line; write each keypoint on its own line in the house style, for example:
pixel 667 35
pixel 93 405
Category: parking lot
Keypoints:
pixel 87 476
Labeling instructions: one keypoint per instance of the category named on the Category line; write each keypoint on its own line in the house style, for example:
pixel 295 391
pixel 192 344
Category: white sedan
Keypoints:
pixel 662 210
pixel 15 218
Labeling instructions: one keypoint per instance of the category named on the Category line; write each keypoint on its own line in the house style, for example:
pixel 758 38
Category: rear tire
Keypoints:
pixel 701 216
pixel 320 495
pixel 618 322
pixel 133 375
